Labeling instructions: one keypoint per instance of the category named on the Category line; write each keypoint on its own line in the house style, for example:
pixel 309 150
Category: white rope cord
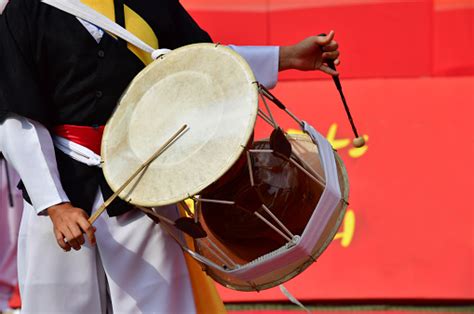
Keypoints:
pixel 292 299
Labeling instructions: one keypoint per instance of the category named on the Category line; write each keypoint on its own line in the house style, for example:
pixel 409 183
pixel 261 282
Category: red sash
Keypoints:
pixel 86 136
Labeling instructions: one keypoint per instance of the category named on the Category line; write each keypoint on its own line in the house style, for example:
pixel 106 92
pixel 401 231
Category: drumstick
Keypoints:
pixel 358 141
pixel 158 152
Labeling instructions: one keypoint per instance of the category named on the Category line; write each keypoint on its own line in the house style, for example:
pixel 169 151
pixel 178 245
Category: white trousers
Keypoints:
pixel 9 225
pixel 135 267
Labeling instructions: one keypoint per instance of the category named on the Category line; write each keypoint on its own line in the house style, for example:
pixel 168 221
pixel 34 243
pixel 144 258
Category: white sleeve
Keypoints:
pixel 3 3
pixel 27 145
pixel 263 60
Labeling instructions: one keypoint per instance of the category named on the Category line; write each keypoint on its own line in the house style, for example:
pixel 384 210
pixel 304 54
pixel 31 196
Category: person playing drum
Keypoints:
pixel 63 76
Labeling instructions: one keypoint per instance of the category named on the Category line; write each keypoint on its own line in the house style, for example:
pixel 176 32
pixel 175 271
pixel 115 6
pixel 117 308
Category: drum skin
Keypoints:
pixel 207 87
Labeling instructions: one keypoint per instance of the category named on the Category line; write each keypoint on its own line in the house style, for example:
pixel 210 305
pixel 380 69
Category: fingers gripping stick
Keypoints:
pixel 158 152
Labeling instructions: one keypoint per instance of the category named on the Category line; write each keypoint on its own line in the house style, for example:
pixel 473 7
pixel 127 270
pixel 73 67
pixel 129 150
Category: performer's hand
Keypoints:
pixel 69 225
pixel 311 54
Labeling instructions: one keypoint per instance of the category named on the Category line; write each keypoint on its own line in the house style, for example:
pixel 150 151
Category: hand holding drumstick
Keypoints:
pixel 318 53
pixel 71 222
pixel 311 54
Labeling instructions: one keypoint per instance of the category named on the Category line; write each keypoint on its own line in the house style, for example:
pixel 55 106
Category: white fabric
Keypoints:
pixel 144 267
pixel 263 61
pixel 331 195
pixel 159 52
pixel 96 32
pixel 3 3
pixel 9 225
pixel 27 145
pixel 76 151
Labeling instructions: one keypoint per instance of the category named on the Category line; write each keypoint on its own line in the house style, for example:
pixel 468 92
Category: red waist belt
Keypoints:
pixel 87 136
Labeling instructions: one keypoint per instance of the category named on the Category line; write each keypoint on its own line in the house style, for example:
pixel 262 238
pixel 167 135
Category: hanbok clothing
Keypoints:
pixel 143 267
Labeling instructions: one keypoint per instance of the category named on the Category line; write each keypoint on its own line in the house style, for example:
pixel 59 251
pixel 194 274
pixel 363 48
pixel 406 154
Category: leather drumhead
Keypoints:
pixel 207 87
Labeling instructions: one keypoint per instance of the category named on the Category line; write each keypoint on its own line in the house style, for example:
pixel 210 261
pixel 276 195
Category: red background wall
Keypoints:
pixel 391 38
pixel 407 71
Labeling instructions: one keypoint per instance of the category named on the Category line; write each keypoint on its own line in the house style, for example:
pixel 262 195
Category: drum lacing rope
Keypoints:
pixel 292 299
pixel 286 247
pixel 283 289
pixel 266 93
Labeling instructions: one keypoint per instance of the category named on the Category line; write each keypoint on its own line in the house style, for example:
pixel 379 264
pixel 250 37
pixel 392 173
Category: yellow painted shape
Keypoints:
pixel 133 23
pixel 355 152
pixel 331 137
pixel 348 229
pixel 337 144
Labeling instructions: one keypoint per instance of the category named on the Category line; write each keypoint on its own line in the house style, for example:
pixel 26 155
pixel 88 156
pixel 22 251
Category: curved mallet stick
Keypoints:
pixel 358 141
pixel 158 152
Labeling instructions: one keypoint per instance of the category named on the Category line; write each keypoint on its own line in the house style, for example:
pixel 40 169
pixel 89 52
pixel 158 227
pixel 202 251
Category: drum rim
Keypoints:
pixel 218 174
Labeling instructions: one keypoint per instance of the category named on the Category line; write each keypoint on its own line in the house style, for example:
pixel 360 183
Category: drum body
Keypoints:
pixel 288 192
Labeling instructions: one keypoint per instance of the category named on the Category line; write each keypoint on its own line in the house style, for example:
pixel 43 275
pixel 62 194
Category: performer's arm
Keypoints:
pixel 309 54
pixel 263 60
pixel 27 145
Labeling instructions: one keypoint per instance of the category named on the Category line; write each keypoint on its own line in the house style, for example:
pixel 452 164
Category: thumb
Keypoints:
pixel 325 39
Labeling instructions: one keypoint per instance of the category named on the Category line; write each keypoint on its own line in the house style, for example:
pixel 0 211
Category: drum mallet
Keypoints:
pixel 358 141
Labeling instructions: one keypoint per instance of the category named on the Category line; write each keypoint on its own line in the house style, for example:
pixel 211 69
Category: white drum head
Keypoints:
pixel 207 87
